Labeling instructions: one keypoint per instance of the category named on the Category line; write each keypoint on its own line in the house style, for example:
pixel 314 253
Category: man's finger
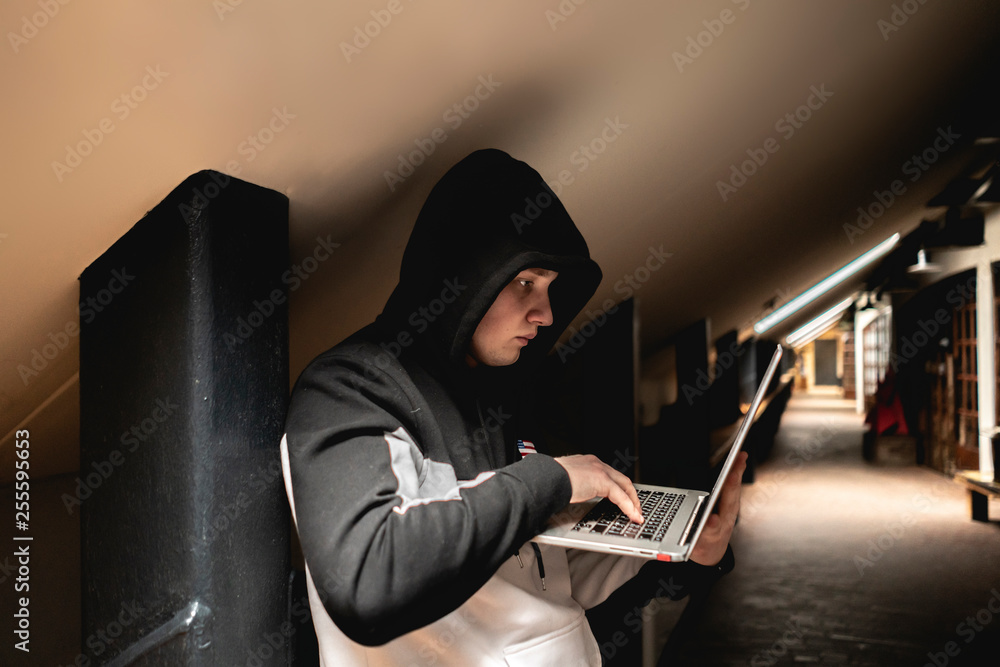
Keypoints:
pixel 626 484
pixel 625 502
pixel 729 502
pixel 591 477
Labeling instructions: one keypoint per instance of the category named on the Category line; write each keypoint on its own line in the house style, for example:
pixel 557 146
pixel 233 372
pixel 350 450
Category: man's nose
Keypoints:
pixel 541 312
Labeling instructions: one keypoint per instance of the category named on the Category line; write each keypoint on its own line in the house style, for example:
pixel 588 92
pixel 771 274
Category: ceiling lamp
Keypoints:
pixel 825 285
pixel 817 327
pixel 922 265
pixel 990 192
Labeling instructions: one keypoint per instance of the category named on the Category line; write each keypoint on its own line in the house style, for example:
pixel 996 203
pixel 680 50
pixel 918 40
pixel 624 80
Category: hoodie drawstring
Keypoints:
pixel 538 560
pixel 541 564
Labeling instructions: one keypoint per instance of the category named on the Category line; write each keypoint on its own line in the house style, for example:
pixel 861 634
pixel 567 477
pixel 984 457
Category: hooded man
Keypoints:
pixel 413 504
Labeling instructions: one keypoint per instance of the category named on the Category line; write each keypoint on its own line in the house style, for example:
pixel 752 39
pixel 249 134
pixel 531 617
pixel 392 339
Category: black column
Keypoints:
pixel 183 388
pixel 690 445
pixel 724 395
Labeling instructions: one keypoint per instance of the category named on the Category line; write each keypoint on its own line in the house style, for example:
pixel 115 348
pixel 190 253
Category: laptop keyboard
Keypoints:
pixel 658 508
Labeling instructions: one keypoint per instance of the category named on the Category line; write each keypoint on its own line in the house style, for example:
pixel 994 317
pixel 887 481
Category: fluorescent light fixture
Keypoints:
pixel 987 184
pixel 816 327
pixel 825 285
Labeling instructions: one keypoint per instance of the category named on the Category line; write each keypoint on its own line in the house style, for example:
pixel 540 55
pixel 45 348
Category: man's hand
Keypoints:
pixel 591 478
pixel 714 539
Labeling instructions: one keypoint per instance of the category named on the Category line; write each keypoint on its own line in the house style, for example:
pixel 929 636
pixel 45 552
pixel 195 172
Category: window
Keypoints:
pixel 966 387
pixel 996 341
pixel 875 354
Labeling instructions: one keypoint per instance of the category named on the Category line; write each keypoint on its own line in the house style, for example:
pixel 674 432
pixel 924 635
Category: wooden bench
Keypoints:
pixel 981 487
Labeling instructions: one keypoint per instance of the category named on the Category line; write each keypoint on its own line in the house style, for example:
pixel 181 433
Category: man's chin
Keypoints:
pixel 507 359
pixel 496 360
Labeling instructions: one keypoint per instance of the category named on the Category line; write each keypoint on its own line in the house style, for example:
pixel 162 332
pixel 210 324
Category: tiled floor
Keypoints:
pixel 844 562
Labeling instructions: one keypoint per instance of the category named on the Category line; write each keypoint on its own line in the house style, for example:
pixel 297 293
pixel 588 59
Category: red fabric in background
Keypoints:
pixel 886 416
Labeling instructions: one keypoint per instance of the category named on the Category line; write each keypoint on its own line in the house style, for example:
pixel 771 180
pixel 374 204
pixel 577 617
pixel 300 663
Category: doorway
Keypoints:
pixel 826 362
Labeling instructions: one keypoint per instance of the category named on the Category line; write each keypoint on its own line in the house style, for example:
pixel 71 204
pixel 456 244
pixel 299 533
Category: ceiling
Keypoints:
pixel 641 108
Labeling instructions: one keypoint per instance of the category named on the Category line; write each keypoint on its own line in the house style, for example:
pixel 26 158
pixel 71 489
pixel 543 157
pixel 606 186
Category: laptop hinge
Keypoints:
pixel 695 517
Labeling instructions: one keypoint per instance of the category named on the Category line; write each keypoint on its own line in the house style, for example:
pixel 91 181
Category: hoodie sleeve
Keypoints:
pixel 393 540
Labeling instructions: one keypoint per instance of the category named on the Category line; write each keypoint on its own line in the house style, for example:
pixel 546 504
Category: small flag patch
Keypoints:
pixel 526 447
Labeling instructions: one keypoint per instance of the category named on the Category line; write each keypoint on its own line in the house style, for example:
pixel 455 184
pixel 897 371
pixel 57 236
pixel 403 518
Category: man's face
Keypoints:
pixel 513 319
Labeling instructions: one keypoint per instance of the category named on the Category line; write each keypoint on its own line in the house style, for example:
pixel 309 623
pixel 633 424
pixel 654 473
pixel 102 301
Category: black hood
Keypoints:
pixel 488 218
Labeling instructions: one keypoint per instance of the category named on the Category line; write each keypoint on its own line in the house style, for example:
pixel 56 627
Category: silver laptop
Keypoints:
pixel 673 518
